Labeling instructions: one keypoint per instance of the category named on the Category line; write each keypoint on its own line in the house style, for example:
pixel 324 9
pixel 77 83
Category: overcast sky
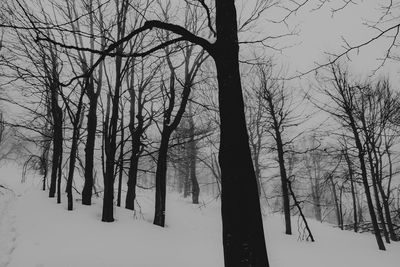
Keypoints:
pixel 320 32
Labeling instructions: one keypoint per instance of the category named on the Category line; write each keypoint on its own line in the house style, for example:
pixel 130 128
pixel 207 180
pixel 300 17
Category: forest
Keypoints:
pixel 153 112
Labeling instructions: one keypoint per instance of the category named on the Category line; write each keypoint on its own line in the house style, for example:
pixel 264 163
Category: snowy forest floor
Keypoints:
pixel 37 232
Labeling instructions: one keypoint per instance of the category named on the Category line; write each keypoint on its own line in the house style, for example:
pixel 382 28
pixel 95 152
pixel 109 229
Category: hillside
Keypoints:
pixel 37 232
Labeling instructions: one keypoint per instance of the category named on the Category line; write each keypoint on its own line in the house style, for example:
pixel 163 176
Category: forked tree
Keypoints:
pixel 243 233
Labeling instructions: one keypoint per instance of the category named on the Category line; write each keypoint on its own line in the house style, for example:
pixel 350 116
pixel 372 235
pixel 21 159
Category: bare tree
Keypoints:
pixel 343 95
pixel 142 113
pixel 243 234
pixel 276 104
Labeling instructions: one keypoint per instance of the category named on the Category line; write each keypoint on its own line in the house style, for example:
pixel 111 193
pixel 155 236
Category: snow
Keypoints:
pixel 35 231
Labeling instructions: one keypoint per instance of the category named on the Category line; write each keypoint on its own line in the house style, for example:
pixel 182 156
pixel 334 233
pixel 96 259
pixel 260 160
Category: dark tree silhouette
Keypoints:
pixel 343 95
pixel 243 233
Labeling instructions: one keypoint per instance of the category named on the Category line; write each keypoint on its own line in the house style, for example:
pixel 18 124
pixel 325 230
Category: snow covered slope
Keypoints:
pixel 40 233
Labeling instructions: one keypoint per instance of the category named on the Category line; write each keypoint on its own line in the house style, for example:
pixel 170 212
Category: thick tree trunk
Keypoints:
pixel 57 146
pixel 72 160
pixel 132 180
pixel 168 128
pixel 161 180
pixel 111 131
pixel 243 233
pixel 92 115
pixel 110 151
pixel 136 134
pixel 89 151
pixel 108 199
pixel 54 167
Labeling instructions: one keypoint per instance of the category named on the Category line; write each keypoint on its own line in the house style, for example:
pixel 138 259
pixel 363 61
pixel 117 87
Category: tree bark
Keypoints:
pixel 161 180
pixel 193 158
pixel 59 176
pixel 285 191
pixel 57 140
pixel 243 233
pixel 364 176
pixel 136 145
pixel 89 151
pixel 121 160
pixel 92 114
pixel 282 168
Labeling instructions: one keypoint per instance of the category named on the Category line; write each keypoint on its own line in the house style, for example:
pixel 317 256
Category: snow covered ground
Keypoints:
pixel 37 232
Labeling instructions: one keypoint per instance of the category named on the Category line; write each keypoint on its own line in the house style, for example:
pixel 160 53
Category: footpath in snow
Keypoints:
pixel 37 232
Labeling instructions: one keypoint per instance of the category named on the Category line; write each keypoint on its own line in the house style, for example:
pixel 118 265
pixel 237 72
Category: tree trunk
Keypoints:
pixel 393 235
pixel 59 176
pixel 385 203
pixel 136 135
pixel 243 233
pixel 110 151
pixel 76 123
pixel 72 160
pixel 375 188
pixel 132 180
pixel 335 199
pixel 282 169
pixel 385 199
pixel 161 177
pixel 285 191
pixel 121 160
pixel 365 182
pixel 192 159
pixel 44 158
pixel 108 200
pixel 57 143
pixel 353 192
pixel 341 207
pixel 111 136
pixel 89 151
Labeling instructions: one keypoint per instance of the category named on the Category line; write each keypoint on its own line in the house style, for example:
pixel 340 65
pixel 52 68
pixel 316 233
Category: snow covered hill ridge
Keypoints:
pixel 37 232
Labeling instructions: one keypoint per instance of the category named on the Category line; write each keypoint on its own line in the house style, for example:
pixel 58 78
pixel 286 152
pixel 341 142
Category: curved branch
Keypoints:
pixel 204 5
pixel 186 35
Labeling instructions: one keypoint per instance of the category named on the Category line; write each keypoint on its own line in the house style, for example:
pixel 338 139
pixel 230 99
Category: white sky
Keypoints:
pixel 321 32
